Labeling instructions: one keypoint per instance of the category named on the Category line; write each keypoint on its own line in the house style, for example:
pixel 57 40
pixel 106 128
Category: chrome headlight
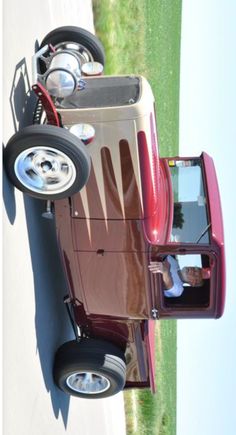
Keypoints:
pixel 84 132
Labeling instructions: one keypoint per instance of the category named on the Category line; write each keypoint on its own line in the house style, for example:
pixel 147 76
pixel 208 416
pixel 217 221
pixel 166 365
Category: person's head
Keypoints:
pixel 192 276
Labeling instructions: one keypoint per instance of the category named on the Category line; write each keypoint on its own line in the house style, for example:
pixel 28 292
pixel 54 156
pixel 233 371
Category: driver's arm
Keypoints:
pixel 164 269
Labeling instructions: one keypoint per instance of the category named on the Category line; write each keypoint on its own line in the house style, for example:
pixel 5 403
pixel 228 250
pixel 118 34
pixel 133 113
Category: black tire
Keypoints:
pixel 68 161
pixel 100 358
pixel 76 35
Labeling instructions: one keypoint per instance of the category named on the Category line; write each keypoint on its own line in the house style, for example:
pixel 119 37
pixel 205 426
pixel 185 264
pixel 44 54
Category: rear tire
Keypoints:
pixel 89 369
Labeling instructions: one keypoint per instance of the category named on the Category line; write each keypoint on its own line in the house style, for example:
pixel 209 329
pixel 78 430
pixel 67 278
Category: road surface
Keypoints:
pixel 34 318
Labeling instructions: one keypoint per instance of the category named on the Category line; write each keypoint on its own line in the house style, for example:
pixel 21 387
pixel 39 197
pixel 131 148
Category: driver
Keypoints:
pixel 174 277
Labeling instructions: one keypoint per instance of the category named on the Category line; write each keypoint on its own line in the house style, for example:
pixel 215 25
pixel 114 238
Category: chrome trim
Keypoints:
pixel 88 383
pixel 35 59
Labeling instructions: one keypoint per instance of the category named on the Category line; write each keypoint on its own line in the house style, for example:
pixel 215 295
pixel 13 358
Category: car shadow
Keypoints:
pixel 51 320
pixel 8 193
pixel 22 98
pixel 22 103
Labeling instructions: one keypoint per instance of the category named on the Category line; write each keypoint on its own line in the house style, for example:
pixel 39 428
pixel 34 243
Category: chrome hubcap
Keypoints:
pixel 82 52
pixel 88 383
pixel 45 170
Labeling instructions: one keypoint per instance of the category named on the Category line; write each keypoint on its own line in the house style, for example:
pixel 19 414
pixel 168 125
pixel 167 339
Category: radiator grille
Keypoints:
pixel 104 92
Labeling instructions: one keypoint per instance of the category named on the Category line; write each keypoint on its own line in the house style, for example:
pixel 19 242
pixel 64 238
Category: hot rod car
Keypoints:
pixel 92 155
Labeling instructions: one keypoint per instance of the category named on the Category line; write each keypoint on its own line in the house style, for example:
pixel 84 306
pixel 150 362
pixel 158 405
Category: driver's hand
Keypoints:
pixel 156 267
pixel 159 266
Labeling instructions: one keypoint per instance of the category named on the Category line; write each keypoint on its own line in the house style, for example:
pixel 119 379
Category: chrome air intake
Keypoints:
pixel 63 74
pixel 64 69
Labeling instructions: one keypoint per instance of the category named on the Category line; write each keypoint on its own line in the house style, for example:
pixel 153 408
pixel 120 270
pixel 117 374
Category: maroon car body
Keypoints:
pixel 135 207
pixel 114 294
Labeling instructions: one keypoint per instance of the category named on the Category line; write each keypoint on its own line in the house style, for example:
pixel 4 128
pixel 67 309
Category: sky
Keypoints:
pixel 206 355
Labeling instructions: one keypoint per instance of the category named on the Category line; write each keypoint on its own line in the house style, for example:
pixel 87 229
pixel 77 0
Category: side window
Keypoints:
pixel 193 295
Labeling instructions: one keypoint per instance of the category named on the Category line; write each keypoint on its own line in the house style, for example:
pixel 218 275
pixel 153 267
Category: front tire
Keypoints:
pixel 47 162
pixel 88 46
pixel 89 369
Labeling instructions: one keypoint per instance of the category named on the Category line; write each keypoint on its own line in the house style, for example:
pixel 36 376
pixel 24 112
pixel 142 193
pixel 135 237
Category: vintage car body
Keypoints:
pixel 121 219
pixel 106 249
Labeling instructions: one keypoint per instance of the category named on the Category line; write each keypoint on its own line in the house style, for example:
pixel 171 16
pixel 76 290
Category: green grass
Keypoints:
pixel 152 415
pixel 143 37
pixel 163 21
pixel 122 34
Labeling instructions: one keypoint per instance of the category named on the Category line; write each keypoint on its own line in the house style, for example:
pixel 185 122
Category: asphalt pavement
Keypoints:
pixel 34 318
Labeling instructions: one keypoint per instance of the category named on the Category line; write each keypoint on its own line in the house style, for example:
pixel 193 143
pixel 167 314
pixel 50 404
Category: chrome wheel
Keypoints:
pixel 88 383
pixel 82 52
pixel 47 162
pixel 90 369
pixel 45 170
pixel 87 46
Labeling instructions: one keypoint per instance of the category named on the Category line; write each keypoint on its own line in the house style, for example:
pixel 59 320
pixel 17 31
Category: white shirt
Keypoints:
pixel 177 288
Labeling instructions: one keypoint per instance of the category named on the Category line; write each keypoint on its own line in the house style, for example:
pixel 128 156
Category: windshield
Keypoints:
pixel 190 222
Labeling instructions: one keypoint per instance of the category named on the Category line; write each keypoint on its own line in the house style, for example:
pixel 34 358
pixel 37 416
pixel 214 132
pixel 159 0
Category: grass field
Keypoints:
pixel 156 415
pixel 143 37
